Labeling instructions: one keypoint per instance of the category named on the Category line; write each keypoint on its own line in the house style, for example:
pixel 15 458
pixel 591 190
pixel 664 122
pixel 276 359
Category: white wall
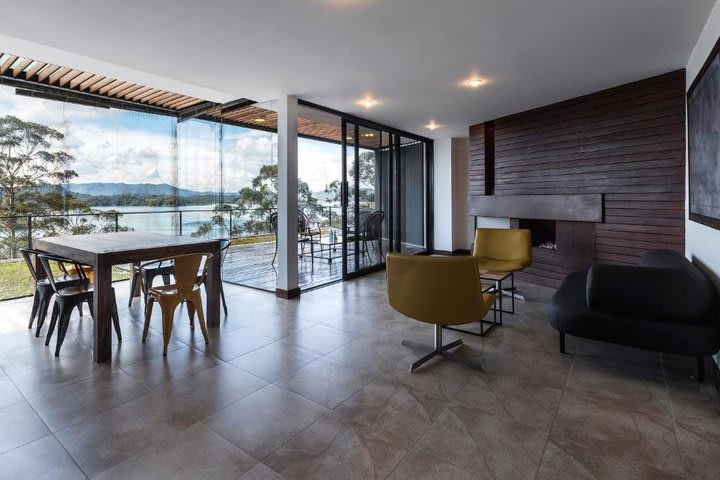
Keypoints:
pixel 702 243
pixel 450 173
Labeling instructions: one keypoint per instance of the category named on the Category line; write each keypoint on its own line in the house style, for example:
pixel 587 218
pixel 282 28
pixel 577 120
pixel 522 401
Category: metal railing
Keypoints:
pixel 19 229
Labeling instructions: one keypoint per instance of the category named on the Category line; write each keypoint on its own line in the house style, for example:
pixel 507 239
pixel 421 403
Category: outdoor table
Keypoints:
pixel 103 250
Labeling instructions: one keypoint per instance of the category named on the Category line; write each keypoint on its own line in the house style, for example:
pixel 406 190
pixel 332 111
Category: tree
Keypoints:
pixel 255 204
pixel 30 175
pixel 367 181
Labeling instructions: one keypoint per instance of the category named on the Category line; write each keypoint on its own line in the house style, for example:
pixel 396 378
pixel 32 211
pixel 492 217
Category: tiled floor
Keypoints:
pixel 319 388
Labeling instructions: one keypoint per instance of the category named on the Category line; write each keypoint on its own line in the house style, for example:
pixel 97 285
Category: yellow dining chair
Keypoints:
pixel 185 289
pixel 437 290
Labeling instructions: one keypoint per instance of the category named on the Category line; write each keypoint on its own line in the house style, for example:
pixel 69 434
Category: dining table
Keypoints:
pixel 102 251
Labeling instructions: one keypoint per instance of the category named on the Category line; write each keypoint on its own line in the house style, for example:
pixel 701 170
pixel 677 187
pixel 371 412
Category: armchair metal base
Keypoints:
pixel 440 349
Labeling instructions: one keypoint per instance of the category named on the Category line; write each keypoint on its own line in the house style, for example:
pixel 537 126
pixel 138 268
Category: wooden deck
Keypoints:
pixel 251 266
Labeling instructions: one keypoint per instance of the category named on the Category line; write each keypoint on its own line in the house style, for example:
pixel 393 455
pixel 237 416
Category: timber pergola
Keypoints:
pixel 36 78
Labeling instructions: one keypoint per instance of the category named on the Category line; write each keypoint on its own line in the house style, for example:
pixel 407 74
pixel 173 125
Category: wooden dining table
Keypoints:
pixel 104 250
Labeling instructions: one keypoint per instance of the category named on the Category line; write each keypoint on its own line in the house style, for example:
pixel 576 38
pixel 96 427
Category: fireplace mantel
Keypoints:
pixel 572 208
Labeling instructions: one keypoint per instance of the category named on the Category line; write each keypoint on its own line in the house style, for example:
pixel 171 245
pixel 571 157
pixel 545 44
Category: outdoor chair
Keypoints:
pixel 44 290
pixel 370 232
pixel 185 289
pixel 68 298
pixel 305 233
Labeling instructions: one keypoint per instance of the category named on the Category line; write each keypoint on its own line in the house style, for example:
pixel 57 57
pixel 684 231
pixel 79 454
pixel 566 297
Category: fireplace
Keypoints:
pixel 542 232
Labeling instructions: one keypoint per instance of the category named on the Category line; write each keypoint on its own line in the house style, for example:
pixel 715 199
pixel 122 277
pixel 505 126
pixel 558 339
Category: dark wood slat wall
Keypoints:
pixel 627 142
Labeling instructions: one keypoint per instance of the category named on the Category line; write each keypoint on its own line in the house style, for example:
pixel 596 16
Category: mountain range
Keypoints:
pixel 149 189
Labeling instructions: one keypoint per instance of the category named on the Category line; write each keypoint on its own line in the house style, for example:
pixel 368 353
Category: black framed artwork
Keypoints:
pixel 703 110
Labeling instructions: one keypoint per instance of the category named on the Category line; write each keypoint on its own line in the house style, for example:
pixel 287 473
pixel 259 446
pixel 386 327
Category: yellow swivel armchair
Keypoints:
pixel 438 290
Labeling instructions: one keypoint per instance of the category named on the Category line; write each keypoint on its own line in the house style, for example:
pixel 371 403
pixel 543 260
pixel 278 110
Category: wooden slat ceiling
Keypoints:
pixel 43 73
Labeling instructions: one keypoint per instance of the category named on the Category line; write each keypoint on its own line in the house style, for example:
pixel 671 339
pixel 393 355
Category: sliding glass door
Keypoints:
pixel 385 191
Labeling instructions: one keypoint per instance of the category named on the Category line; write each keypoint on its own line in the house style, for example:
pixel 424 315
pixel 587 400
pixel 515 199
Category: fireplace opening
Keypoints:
pixel 542 233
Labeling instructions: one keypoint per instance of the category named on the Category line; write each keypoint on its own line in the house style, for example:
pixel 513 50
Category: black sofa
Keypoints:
pixel 664 304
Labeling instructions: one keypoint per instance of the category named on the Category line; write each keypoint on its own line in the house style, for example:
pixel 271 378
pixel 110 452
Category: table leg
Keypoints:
pixel 213 289
pixel 102 304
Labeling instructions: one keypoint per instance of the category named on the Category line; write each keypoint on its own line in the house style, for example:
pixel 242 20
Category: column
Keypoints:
pixel 287 281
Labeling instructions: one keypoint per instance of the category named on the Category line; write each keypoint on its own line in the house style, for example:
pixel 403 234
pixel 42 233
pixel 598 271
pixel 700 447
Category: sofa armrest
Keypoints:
pixel 660 293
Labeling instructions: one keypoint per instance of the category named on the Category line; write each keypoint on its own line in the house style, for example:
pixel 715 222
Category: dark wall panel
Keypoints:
pixel 627 143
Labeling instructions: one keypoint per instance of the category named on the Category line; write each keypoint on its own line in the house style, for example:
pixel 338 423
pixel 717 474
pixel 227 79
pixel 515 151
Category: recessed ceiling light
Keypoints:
pixel 348 138
pixel 473 82
pixel 432 125
pixel 368 102
pixel 368 135
pixel 260 120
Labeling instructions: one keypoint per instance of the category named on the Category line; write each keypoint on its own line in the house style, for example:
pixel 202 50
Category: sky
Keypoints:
pixel 112 145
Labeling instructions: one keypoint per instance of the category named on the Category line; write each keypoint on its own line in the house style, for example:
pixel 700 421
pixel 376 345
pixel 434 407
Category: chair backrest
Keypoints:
pixel 372 228
pixel 503 244
pixel 439 290
pixel 303 221
pixel 26 253
pixel 224 247
pixel 47 260
pixel 186 271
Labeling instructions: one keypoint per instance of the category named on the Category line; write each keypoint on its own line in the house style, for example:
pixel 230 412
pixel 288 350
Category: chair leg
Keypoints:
pixel 80 309
pixel 168 307
pixel 191 313
pixel 62 329
pixel 197 301
pixel 133 286
pixel 35 305
pixel 700 368
pixel 45 300
pixel 222 297
pixel 440 349
pixel 562 342
pixel 53 322
pixel 148 314
pixel 116 317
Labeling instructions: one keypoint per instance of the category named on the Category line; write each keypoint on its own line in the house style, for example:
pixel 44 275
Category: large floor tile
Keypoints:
pixel 326 382
pixel 612 443
pixel 9 394
pixel 264 421
pixel 20 425
pixel 230 345
pixel 43 459
pixel 77 401
pixel 420 465
pixel 274 361
pixel 198 452
pixel 178 365
pixel 319 339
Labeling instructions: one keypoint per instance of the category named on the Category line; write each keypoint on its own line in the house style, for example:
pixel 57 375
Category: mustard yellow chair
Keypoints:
pixel 437 290
pixel 185 289
pixel 503 250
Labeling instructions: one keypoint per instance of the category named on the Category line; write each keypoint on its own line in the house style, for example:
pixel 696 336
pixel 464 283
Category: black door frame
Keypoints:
pixel 394 185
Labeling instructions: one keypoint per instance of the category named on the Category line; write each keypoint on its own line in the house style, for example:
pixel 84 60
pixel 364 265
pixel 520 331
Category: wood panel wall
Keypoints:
pixel 627 143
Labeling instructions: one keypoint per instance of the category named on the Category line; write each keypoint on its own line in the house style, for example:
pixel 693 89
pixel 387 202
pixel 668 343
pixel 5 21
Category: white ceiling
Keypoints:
pixel 412 55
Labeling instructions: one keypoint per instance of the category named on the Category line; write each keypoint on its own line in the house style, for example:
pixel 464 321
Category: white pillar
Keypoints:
pixel 453 228
pixel 287 280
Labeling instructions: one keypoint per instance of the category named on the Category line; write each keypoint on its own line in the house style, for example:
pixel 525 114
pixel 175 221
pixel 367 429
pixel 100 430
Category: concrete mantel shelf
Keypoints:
pixel 572 208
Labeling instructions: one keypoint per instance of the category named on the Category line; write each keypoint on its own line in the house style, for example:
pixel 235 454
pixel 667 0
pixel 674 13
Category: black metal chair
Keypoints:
pixel 370 231
pixel 44 290
pixel 68 298
pixel 149 271
pixel 305 233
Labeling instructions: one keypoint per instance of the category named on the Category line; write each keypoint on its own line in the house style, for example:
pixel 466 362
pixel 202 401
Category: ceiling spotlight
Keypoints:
pixel 432 125
pixel 260 120
pixel 368 102
pixel 348 138
pixel 473 82
pixel 368 135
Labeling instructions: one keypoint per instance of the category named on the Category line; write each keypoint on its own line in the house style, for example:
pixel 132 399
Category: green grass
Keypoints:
pixel 16 281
